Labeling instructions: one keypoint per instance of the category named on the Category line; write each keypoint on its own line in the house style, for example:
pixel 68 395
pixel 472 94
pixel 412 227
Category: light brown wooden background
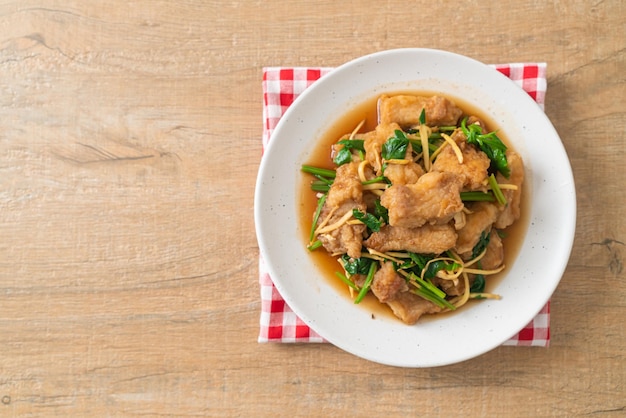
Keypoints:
pixel 129 145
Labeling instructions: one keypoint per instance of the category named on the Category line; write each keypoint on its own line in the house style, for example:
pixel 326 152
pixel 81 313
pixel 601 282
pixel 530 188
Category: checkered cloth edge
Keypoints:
pixel 281 86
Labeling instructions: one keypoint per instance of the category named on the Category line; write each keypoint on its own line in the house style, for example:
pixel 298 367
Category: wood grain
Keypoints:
pixel 130 141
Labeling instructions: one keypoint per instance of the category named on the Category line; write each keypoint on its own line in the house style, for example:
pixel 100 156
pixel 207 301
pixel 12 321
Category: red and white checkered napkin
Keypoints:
pixel 281 85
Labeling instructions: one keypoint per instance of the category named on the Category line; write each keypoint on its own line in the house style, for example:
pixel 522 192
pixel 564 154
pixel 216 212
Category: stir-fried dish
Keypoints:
pixel 414 210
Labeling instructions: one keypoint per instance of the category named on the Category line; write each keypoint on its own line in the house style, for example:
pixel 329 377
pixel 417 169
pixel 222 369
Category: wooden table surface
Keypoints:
pixel 130 138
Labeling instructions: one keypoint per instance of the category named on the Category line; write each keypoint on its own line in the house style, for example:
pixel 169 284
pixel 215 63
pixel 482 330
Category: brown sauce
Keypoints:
pixel 321 157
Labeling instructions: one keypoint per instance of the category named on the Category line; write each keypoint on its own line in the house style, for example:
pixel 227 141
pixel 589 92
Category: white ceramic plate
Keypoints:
pixel 475 329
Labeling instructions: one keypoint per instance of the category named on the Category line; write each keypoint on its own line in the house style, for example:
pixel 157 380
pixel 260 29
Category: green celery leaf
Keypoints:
pixel 356 265
pixel 395 148
pixel 420 260
pixel 344 156
pixel 482 243
pixel 368 219
pixel 435 266
pixel 357 144
pixel 381 212
pixel 479 284
pixel 490 144
pixel 408 264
